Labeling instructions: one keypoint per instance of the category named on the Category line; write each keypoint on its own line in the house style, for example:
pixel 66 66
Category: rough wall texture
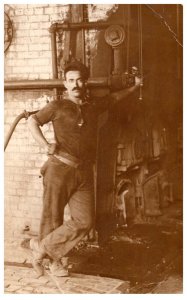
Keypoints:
pixel 29 57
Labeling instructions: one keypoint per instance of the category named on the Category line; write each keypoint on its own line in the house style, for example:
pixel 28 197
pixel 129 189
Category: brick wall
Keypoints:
pixel 29 57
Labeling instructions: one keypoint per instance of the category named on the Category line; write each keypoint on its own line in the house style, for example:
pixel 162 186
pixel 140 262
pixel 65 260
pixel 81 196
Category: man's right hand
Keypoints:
pixel 50 148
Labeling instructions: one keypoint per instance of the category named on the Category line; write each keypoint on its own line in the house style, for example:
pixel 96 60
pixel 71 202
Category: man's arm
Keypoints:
pixel 123 94
pixel 37 134
pixel 107 102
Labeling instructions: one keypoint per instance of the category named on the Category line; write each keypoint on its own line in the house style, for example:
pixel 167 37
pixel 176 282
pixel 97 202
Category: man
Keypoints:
pixel 67 174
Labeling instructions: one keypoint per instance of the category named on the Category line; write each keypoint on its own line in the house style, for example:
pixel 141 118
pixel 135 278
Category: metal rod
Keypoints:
pixel 50 83
pixel 25 115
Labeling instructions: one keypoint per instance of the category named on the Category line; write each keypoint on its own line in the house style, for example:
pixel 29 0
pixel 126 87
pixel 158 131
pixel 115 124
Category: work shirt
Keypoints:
pixel 75 126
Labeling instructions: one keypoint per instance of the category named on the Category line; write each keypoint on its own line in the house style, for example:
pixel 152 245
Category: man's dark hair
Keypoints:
pixel 77 66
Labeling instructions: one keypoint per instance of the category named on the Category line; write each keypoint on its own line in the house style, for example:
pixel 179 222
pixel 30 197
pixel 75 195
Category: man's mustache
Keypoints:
pixel 75 89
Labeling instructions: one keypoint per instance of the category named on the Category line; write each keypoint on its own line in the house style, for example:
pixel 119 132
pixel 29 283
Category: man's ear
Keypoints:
pixel 65 83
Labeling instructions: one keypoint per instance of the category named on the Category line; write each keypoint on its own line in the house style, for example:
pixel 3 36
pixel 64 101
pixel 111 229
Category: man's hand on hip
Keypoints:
pixel 50 148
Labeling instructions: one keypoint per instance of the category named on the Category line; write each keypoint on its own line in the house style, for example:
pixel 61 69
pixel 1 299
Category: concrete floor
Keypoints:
pixel 144 259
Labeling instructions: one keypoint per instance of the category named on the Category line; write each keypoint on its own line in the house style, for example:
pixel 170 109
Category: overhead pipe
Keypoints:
pixel 51 83
pixel 81 25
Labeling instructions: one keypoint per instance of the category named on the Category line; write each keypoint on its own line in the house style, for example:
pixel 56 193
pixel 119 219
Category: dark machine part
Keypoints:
pixel 139 141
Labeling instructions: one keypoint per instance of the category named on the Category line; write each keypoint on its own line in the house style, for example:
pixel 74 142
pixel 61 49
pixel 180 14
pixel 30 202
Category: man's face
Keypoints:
pixel 75 84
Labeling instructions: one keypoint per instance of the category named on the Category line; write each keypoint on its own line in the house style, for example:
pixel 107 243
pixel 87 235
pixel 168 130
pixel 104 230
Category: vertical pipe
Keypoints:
pixel 83 34
pixel 128 37
pixel 54 59
pixel 140 48
pixel 118 61
pixel 54 54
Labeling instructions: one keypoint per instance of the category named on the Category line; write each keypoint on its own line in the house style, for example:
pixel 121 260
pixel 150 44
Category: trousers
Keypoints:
pixel 63 185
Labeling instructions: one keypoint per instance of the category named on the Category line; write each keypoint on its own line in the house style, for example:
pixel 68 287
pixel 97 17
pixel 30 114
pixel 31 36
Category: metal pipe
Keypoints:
pixel 32 84
pixel 50 83
pixel 54 55
pixel 25 115
pixel 78 26
pixel 83 35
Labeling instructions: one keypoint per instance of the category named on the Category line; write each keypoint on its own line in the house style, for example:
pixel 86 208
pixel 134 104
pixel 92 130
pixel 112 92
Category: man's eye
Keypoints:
pixel 71 80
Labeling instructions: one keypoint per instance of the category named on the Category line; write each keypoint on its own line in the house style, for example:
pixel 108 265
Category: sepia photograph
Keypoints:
pixel 93 148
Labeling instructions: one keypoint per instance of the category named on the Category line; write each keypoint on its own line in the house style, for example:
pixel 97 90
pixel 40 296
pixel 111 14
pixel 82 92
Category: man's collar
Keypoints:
pixel 82 102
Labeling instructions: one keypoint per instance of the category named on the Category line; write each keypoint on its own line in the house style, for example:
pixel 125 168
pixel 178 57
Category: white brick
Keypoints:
pixel 46 54
pixel 17 6
pixel 28 11
pixel 49 10
pixel 35 47
pixel 42 69
pixel 32 200
pixel 23 69
pixel 8 69
pixel 45 25
pixel 21 48
pixel 23 206
pixel 21 26
pixel 19 12
pixel 31 192
pixel 39 194
pixel 23 40
pixel 33 76
pixel 19 19
pixel 27 54
pixel 11 55
pixel 11 191
pixel 16 63
pixel 37 5
pixel 34 18
pixel 39 33
pixel 44 75
pixel 23 33
pixel 38 11
pixel 34 25
pixel 33 172
pixel 29 164
pixel 46 47
pixel 39 62
pixel 12 148
pixel 55 17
